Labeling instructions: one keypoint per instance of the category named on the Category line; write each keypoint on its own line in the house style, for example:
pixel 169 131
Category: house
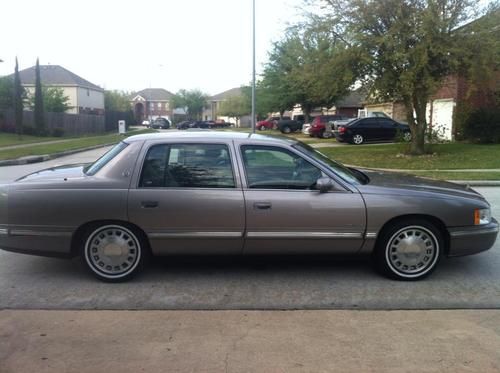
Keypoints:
pixel 214 102
pixel 151 103
pixel 84 96
pixel 351 104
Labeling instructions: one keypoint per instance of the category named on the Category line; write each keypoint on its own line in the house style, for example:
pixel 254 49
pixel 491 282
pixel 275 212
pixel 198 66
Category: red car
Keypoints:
pixel 318 124
pixel 269 123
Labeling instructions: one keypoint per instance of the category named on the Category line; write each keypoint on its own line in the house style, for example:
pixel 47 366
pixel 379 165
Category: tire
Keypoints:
pixel 114 252
pixel 407 136
pixel 326 135
pixel 409 250
pixel 262 128
pixel 286 129
pixel 357 139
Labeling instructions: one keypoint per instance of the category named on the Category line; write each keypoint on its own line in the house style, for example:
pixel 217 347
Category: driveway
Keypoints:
pixel 31 282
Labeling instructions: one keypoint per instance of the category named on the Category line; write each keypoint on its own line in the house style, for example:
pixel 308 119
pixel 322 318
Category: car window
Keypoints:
pixel 187 166
pixel 386 122
pixel 369 123
pixel 269 167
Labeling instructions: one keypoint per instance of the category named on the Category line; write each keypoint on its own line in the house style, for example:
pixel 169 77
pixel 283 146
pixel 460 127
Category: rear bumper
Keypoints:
pixel 472 240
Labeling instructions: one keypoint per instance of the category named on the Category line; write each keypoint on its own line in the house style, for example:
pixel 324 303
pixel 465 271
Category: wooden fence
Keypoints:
pixel 71 124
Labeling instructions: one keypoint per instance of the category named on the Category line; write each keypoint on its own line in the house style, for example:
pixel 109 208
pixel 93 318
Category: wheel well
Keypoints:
pixel 84 228
pixel 432 219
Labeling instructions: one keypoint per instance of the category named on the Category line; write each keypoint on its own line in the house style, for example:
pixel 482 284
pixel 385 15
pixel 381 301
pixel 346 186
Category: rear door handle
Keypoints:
pixel 149 204
pixel 262 205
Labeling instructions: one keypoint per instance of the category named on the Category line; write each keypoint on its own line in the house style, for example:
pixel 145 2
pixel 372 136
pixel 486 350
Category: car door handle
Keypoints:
pixel 262 205
pixel 149 204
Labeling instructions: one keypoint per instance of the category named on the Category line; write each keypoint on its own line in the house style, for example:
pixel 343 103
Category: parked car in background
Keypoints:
pixel 146 123
pixel 270 123
pixel 366 129
pixel 318 124
pixel 241 194
pixel 341 122
pixel 161 123
pixel 291 125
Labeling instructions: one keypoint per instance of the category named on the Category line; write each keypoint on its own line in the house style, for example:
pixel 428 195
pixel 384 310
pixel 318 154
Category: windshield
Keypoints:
pixel 101 162
pixel 339 169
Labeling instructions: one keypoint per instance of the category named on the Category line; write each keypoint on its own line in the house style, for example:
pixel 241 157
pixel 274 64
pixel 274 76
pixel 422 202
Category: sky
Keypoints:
pixel 131 45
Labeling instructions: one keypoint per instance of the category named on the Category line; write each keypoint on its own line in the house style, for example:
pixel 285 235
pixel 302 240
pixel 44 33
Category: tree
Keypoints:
pixel 116 101
pixel 54 100
pixel 18 104
pixel 236 107
pixel 6 93
pixel 307 67
pixel 194 101
pixel 406 48
pixel 38 102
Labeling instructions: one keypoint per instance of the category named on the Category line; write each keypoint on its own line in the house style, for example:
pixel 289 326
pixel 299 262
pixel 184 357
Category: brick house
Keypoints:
pixel 151 103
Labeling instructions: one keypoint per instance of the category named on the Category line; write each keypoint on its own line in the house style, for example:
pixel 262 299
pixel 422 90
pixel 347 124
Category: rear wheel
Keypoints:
pixel 262 128
pixel 409 249
pixel 286 129
pixel 326 134
pixel 358 139
pixel 114 252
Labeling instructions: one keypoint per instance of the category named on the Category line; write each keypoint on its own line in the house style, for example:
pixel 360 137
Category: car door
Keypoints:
pixel 285 214
pixel 188 199
pixel 370 129
pixel 388 128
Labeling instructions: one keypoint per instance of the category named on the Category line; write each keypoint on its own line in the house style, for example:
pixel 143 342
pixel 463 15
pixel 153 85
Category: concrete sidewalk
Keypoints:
pixel 249 341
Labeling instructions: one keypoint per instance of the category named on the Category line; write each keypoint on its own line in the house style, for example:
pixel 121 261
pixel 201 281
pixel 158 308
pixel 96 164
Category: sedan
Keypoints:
pixel 202 192
pixel 362 130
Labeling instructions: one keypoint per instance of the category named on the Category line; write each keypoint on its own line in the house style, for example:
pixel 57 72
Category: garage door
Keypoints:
pixel 442 117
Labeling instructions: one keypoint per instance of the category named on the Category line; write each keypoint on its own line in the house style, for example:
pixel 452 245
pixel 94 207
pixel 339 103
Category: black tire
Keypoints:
pixel 127 251
pixel 416 258
pixel 326 134
pixel 286 129
pixel 357 139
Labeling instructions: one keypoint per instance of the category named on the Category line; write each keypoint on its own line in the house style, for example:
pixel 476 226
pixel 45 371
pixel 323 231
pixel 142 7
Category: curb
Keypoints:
pixel 42 158
pixel 477 183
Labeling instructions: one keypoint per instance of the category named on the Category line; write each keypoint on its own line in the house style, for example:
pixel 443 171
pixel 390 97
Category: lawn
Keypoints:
pixel 452 156
pixel 7 139
pixel 459 175
pixel 72 144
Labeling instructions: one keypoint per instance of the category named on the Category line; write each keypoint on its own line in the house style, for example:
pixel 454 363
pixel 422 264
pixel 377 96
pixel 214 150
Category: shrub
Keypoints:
pixel 483 126
pixel 58 132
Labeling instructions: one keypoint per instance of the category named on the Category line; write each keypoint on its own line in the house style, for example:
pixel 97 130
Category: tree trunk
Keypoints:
pixel 418 142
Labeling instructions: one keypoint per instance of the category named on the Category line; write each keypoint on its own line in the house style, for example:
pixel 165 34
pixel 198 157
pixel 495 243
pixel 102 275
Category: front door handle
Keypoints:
pixel 149 204
pixel 262 205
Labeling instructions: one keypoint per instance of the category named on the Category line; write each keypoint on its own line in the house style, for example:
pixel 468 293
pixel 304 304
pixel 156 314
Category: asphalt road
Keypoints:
pixel 30 282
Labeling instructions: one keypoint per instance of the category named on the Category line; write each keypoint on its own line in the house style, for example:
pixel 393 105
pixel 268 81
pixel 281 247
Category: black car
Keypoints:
pixel 161 123
pixel 292 125
pixel 372 129
pixel 187 124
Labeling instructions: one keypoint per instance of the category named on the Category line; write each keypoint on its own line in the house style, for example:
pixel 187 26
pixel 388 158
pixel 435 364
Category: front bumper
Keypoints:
pixel 472 240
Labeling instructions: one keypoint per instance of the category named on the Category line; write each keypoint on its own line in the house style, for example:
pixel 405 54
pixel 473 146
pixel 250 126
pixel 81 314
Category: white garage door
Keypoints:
pixel 442 117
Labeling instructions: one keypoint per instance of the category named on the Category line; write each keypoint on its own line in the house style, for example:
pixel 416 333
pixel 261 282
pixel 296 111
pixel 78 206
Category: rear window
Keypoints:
pixel 101 162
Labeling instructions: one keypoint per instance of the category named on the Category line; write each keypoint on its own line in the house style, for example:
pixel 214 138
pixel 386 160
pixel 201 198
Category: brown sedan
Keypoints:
pixel 233 193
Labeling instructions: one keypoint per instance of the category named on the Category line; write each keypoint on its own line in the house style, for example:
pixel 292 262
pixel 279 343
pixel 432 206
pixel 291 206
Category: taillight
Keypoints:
pixel 341 130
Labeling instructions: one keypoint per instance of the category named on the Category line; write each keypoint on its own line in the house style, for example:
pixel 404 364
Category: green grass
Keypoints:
pixel 459 175
pixel 76 143
pixel 8 139
pixel 452 156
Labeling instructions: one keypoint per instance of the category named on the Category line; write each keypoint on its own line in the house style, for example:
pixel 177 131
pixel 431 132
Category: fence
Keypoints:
pixel 71 124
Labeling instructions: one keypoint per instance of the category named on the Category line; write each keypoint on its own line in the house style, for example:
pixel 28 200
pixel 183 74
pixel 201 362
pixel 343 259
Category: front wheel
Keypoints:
pixel 114 253
pixel 409 250
pixel 407 136
pixel 286 129
pixel 326 134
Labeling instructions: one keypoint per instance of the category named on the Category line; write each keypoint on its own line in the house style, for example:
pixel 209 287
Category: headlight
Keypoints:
pixel 482 216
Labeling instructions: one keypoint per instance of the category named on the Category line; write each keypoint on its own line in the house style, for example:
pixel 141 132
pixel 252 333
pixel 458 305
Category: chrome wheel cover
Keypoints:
pixel 357 139
pixel 112 251
pixel 407 136
pixel 412 251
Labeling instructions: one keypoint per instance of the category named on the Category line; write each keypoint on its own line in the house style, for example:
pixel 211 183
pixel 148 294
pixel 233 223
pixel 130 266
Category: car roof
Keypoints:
pixel 200 134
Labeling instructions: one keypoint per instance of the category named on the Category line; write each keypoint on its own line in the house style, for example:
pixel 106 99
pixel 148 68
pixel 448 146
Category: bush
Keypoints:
pixel 483 126
pixel 58 132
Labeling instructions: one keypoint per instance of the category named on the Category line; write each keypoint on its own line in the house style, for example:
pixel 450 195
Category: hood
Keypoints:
pixel 71 171
pixel 409 183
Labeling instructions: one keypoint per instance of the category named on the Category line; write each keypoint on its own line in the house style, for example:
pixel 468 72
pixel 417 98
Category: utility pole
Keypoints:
pixel 253 68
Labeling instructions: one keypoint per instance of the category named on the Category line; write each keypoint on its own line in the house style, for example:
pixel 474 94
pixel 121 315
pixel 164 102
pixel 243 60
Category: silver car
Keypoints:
pixel 234 193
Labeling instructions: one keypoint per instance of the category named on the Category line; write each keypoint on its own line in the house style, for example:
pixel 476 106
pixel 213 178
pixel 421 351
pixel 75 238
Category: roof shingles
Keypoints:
pixel 55 75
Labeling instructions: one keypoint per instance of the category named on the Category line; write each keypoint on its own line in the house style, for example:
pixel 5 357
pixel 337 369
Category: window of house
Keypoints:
pixel 269 167
pixel 88 92
pixel 187 166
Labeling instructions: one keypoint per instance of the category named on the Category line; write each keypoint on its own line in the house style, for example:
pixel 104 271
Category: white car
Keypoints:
pixel 306 127
pixel 146 123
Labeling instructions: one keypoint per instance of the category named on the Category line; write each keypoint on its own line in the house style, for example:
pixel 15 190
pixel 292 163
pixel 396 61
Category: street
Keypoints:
pixel 30 282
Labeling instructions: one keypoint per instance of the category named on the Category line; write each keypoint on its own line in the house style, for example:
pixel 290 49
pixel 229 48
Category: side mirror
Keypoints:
pixel 324 184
